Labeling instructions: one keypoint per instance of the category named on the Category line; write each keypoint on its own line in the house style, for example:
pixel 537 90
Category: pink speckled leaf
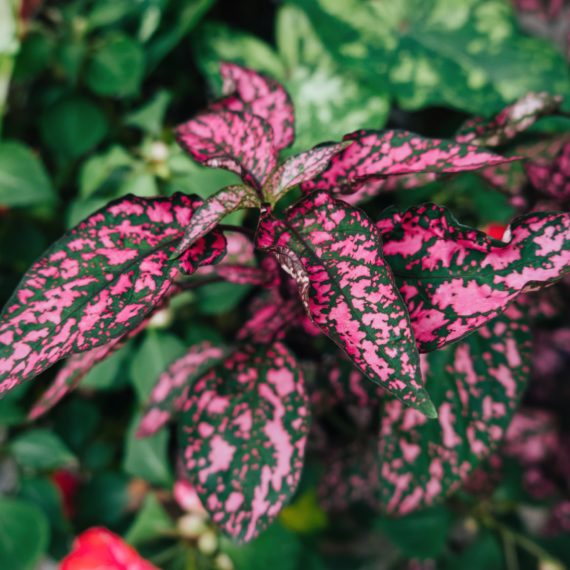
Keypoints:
pixel 98 282
pixel 174 385
pixel 378 154
pixel 300 168
pixel 239 265
pixel 272 316
pixel 333 251
pixel 454 278
pixel 248 90
pixel 476 385
pixel 243 433
pixel 214 210
pixel 552 178
pixel 240 142
pixel 511 121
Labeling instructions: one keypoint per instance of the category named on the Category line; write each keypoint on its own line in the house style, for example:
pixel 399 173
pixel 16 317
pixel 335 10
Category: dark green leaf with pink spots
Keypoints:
pixel 99 282
pixel 476 386
pixel 510 122
pixel 377 155
pixel 333 251
pixel 243 435
pixel 454 278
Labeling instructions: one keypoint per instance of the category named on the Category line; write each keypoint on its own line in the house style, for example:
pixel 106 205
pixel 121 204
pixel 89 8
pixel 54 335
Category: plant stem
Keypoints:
pixel 511 538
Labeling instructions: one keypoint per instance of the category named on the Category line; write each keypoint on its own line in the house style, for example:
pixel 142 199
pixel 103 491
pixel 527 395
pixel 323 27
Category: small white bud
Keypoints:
pixel 224 562
pixel 192 525
pixel 208 542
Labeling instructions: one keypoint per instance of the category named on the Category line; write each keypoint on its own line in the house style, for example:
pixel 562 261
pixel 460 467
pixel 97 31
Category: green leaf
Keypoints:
pixel 153 356
pixel 10 413
pixel 110 372
pixel 277 548
pixel 469 55
pixel 24 534
pixel 40 449
pixel 329 101
pixel 117 66
pixel 184 21
pixel 23 179
pixel 147 457
pixel 103 500
pixel 73 126
pixel 99 170
pixel 220 298
pixel 152 522
pixel 150 117
pixel 419 535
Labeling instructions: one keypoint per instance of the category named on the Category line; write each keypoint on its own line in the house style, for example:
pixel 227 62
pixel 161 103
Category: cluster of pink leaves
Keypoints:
pixel 382 291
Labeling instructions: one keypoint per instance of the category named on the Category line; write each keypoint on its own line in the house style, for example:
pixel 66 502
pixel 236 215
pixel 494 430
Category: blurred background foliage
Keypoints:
pixel 89 93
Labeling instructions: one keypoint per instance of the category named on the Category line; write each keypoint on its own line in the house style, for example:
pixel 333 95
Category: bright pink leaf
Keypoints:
pixel 476 385
pixel 333 251
pixel 214 210
pixel 378 154
pixel 98 282
pixel 240 142
pixel 454 278
pixel 300 168
pixel 253 92
pixel 174 385
pixel 244 432
pixel 511 121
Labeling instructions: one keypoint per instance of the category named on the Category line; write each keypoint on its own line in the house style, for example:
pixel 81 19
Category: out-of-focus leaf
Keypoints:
pixel 147 457
pixel 116 67
pixel 41 449
pixel 24 535
pixel 184 21
pixel 277 548
pixel 151 523
pixel 23 179
pixel 469 55
pixel 419 535
pixel 157 350
pixel 476 386
pixel 150 117
pixel 73 126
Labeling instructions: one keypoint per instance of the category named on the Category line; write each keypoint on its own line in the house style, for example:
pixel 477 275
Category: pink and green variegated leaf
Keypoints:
pixel 253 92
pixel 239 142
pixel 239 265
pixel 174 384
pixel 74 370
pixel 454 278
pixel 378 154
pixel 554 178
pixel 271 316
pixel 510 122
pixel 351 476
pixel 476 385
pixel 99 282
pixel 511 177
pixel 300 168
pixel 214 210
pixel 243 433
pixel 333 251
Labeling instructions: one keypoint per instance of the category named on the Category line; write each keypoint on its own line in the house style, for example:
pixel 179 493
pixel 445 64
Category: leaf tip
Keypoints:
pixel 427 408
